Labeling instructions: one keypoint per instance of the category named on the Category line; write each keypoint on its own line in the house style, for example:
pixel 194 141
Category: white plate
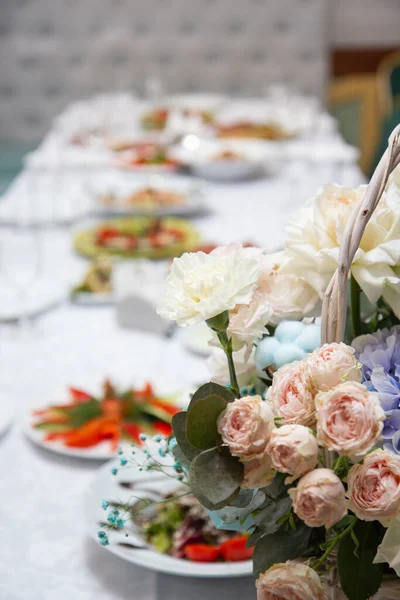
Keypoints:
pixel 122 184
pixel 6 416
pixel 106 487
pixel 101 451
pixel 256 157
pixel 42 296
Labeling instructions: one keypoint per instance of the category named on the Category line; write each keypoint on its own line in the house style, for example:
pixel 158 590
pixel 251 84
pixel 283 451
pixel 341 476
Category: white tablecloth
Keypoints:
pixel 45 552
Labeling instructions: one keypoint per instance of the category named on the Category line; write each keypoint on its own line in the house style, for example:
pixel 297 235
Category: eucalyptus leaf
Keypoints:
pixel 181 458
pixel 281 546
pixel 179 429
pixel 215 478
pixel 277 487
pixel 244 498
pixel 206 405
pixel 267 518
pixel 360 579
pixel 230 514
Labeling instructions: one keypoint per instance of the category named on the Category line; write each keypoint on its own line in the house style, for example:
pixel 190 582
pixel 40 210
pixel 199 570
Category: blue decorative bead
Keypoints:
pixel 114 471
pixel 143 437
pixel 123 461
pixel 288 331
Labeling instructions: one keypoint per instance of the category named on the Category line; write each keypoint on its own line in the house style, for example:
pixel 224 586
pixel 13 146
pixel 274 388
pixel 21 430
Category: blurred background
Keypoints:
pixel 53 52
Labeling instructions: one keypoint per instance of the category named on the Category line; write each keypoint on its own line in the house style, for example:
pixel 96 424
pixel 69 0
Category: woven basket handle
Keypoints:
pixel 334 307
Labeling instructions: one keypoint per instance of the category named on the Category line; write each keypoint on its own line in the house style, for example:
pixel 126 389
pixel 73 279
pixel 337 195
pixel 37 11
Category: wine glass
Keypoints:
pixel 20 260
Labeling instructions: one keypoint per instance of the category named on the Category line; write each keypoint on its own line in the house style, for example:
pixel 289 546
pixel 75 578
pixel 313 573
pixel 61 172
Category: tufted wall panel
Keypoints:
pixel 55 51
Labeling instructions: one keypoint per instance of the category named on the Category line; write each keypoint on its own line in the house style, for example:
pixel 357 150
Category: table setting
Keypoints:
pixel 162 261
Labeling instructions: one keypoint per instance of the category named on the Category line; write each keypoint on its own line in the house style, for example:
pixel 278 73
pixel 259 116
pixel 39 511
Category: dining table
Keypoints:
pixel 45 550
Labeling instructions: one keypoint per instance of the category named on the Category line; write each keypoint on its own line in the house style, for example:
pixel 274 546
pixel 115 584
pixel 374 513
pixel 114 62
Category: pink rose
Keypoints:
pixel 292 394
pixel 245 426
pixel 293 449
pixel 319 498
pixel 258 473
pixel 290 581
pixel 349 419
pixel 333 364
pixel 374 486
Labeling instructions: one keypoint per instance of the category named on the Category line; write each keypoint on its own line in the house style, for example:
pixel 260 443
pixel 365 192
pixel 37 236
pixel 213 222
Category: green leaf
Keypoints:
pixel 230 514
pixel 244 498
pixel 204 409
pixel 215 478
pixel 269 516
pixel 281 546
pixel 179 429
pixel 360 579
pixel 277 487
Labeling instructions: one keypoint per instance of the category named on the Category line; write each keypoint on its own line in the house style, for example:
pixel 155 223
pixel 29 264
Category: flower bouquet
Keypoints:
pixel 298 442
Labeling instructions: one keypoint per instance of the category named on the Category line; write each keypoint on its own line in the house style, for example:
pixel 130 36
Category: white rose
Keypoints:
pixel 244 366
pixel 316 231
pixel 201 286
pixel 290 296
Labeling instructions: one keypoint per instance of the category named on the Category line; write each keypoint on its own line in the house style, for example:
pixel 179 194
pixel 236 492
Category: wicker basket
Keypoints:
pixel 334 308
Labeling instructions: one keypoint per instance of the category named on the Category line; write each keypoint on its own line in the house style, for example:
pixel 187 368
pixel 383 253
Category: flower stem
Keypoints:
pixel 333 543
pixel 226 344
pixel 355 295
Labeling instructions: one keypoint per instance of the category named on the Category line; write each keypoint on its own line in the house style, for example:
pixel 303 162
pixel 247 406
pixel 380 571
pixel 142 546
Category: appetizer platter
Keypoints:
pixel 117 193
pixel 147 157
pixel 96 285
pixel 94 426
pixel 242 129
pixel 138 237
pixel 174 536
pixel 228 160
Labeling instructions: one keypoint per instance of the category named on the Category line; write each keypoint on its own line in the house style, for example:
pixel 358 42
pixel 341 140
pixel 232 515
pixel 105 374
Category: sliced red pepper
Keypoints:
pixel 235 549
pixel 201 552
pixel 163 428
pixel 168 408
pixel 78 395
pixel 132 430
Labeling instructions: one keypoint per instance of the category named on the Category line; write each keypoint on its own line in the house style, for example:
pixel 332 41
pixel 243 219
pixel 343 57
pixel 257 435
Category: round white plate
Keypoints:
pixel 122 184
pixel 199 155
pixel 101 451
pixel 42 296
pixel 134 548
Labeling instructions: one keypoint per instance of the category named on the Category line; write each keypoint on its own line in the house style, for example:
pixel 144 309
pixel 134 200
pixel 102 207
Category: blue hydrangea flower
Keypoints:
pixel 379 354
pixel 104 504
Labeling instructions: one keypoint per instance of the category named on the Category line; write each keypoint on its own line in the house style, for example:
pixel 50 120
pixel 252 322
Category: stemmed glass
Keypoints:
pixel 20 261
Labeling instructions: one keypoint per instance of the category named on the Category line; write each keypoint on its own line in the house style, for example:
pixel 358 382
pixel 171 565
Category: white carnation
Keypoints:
pixel 201 286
